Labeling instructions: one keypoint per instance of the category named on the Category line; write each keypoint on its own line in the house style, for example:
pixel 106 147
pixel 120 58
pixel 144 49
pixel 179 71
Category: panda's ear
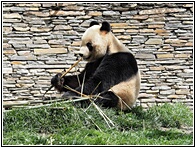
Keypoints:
pixel 105 27
pixel 93 23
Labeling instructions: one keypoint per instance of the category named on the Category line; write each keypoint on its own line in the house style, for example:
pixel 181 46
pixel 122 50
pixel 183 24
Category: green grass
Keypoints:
pixel 71 126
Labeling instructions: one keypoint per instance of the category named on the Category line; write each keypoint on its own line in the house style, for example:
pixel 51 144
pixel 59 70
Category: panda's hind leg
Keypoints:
pixel 107 99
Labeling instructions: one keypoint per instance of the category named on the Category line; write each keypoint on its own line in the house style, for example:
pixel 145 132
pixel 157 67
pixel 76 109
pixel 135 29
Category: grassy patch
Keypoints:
pixel 63 124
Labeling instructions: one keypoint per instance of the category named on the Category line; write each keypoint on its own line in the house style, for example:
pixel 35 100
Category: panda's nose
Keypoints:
pixel 78 54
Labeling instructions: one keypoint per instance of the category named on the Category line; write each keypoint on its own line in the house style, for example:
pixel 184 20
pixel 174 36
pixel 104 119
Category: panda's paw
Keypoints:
pixel 57 81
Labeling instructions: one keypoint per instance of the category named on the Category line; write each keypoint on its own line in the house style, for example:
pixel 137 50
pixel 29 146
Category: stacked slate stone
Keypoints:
pixel 38 40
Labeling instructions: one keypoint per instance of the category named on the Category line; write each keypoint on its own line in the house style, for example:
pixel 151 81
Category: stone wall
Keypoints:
pixel 38 40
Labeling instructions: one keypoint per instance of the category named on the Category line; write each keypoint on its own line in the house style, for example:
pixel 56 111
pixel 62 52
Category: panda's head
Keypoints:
pixel 95 41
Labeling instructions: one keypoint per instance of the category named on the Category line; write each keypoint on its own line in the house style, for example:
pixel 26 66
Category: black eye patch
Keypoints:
pixel 89 45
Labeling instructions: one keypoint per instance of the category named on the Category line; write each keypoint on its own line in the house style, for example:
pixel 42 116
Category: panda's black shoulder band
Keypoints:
pixel 93 23
pixel 105 27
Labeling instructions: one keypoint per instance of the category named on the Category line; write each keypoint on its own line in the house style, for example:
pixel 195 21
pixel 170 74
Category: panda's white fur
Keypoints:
pixel 127 92
pixel 102 41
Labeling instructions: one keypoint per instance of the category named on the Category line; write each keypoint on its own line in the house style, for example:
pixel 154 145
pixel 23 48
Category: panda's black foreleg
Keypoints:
pixel 107 99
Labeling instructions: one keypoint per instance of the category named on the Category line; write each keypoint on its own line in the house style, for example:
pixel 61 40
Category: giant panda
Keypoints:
pixel 111 70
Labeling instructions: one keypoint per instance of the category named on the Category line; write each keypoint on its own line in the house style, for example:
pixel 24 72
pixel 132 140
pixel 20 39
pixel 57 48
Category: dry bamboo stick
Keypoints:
pixel 71 67
pixel 45 105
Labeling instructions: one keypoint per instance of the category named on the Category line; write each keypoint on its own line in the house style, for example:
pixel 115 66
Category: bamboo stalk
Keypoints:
pixel 44 104
pixel 71 67
pixel 82 95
